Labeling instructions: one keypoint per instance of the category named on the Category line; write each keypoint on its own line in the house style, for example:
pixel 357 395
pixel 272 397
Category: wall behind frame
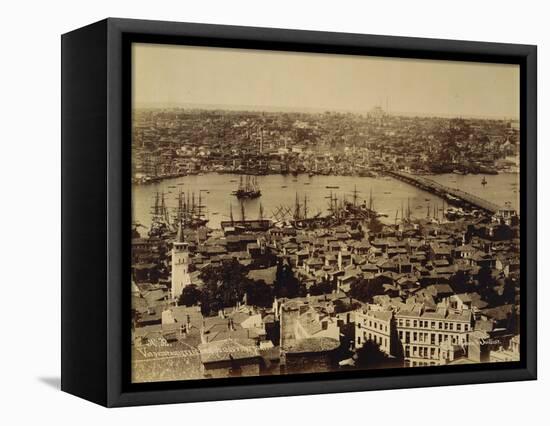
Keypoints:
pixel 31 195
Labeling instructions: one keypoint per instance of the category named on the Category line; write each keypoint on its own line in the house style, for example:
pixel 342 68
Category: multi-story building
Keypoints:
pixel 375 325
pixel 433 337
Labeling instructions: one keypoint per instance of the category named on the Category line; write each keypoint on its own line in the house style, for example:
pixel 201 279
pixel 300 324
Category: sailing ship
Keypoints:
pixel 248 188
pixel 189 212
pixel 484 181
pixel 160 219
pixel 262 224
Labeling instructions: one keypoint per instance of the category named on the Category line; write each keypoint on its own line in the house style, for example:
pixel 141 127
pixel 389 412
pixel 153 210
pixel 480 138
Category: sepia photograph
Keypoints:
pixel 298 213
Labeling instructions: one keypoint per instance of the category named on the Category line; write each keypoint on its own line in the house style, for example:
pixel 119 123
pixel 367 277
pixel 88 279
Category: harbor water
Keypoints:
pixel 389 196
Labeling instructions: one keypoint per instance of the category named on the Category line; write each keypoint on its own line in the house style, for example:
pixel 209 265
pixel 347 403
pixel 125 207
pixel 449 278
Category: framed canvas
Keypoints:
pixel 255 212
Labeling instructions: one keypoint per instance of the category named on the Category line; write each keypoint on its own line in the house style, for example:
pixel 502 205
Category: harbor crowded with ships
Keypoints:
pixel 269 243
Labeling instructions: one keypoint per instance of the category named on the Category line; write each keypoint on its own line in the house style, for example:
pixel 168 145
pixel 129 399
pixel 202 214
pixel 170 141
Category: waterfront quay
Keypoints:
pixel 389 196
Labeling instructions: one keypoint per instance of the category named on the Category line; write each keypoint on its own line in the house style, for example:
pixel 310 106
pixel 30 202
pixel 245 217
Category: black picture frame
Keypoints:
pixel 96 211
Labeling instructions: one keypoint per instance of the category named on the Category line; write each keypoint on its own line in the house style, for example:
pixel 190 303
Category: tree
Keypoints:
pixel 190 296
pixel 258 293
pixel 286 284
pixel 227 284
pixel 323 287
pixel 266 260
pixel 486 286
pixel 460 282
pixel 370 356
pixel 365 289
pixel 344 305
pixel 511 286
pixel 224 285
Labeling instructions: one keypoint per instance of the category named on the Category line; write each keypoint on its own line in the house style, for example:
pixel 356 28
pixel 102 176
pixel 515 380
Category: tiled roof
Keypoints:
pixel 313 344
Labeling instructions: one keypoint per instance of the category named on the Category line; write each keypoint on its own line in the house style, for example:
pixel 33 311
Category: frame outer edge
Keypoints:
pixel 83 281
pixel 116 28
pixel 115 222
pixel 531 178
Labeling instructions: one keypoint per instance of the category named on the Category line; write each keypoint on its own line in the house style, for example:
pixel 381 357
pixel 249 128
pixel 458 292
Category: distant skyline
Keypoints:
pixel 167 76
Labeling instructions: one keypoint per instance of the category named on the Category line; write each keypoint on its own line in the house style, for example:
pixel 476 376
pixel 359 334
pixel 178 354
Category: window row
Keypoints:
pixel 407 337
pixel 434 325
pixel 375 325
pixel 421 352
pixel 382 341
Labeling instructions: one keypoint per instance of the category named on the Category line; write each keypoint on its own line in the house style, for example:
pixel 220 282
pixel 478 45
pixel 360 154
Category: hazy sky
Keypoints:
pixel 180 75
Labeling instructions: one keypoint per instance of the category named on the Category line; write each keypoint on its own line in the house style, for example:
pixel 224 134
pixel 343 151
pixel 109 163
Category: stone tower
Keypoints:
pixel 180 265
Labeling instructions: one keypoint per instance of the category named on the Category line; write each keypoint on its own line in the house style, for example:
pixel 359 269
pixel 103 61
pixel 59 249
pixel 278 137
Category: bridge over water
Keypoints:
pixel 445 192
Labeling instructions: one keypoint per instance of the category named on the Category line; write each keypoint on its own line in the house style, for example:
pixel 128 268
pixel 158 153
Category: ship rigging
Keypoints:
pixel 248 188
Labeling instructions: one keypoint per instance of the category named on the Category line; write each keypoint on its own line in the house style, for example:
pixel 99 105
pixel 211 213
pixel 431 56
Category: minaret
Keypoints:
pixel 180 264
pixel 261 131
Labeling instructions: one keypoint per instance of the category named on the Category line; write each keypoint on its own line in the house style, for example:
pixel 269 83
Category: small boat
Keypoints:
pixel 484 181
pixel 306 183
pixel 332 187
pixel 284 186
pixel 387 192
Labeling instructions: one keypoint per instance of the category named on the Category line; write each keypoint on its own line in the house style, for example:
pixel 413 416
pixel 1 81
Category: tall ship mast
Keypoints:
pixel 189 213
pixel 160 221
pixel 180 216
pixel 248 188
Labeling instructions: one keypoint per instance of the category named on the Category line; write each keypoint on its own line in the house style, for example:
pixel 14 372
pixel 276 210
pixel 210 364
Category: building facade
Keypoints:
pixel 433 336
pixel 374 325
